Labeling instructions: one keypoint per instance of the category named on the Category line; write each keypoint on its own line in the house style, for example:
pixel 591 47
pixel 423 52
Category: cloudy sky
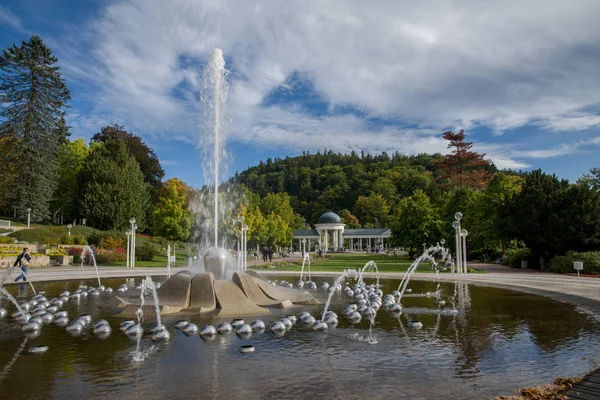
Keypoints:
pixel 522 78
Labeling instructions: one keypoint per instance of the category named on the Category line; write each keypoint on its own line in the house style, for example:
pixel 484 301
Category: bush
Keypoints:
pixel 79 239
pixel 97 237
pixel 111 243
pixel 145 252
pixel 514 257
pixel 160 243
pixel 76 253
pixel 66 239
pixel 564 264
pixel 110 256
pixel 39 235
pixel 6 240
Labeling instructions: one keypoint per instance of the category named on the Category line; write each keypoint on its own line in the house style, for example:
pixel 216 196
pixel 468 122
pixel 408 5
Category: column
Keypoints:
pixel 308 248
pixel 326 241
pixel 341 239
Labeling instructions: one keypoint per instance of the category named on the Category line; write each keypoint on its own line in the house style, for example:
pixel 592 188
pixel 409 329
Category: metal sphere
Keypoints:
pixel 3 312
pixel 158 328
pixel 277 326
pixel 208 330
pixel 38 349
pixel 74 327
pixel 36 319
pixel 110 290
pixel 414 324
pixel 101 288
pixel 389 297
pixel 85 318
pixel 100 322
pixel 244 330
pixel 325 286
pixel 224 328
pixel 216 260
pixel 39 312
pixel 359 296
pixel 330 313
pixel 354 317
pixel 61 321
pixel 246 348
pixel 190 329
pixel 440 302
pixel 181 324
pixel 32 335
pixel 302 315
pixel 258 325
pixel 350 308
pixel 408 290
pixel 308 320
pixel 292 318
pixel 288 324
pixel 25 306
pixel 361 309
pixel 299 284
pixel 58 303
pixel 134 330
pixel 319 326
pixel 375 305
pixel 311 285
pixel 94 292
pixel 64 299
pixel 387 304
pixel 369 313
pixel 331 320
pixel 361 302
pixel 102 329
pixel 65 293
pixel 458 216
pixel 47 318
pixel 31 326
pixel 52 309
pixel 162 335
pixel 126 324
pixel 23 318
pixel 395 308
pixel 83 294
pixel 60 314
pixel 396 295
pixel 236 323
pixel 75 296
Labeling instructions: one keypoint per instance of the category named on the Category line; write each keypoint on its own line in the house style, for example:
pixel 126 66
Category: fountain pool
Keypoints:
pixel 498 340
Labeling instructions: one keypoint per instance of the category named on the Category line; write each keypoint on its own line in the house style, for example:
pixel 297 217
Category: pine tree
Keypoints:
pixel 463 168
pixel 33 95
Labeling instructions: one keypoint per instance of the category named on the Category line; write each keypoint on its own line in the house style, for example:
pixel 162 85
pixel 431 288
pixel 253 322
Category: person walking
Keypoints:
pixel 23 262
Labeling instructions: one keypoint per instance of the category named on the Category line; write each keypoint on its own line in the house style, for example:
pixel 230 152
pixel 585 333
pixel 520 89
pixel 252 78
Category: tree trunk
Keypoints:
pixel 542 263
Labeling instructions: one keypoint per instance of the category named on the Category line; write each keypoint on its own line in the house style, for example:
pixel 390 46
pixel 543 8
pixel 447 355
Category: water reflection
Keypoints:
pixel 499 340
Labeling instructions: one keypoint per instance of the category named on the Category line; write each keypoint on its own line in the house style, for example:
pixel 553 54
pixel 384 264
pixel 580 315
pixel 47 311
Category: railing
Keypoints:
pixel 4 223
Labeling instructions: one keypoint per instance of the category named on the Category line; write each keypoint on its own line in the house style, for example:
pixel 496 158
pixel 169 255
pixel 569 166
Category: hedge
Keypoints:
pixel 564 264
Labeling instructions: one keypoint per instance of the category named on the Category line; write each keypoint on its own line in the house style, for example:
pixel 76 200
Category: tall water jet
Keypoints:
pixel 213 95
pixel 88 250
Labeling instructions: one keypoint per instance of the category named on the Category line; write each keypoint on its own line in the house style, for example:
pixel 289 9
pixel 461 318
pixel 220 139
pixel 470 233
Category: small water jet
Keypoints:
pixel 88 250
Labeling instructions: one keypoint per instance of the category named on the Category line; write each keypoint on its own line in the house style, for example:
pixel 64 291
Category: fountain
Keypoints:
pixel 88 250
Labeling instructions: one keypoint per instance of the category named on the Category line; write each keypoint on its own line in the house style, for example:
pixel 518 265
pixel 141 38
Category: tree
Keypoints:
pixel 416 221
pixel 145 156
pixel 372 209
pixel 33 95
pixel 112 188
pixel 172 219
pixel 592 180
pixel 552 217
pixel 463 167
pixel 349 219
pixel 71 157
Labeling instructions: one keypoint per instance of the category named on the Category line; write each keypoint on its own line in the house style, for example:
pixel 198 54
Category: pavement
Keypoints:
pixel 582 291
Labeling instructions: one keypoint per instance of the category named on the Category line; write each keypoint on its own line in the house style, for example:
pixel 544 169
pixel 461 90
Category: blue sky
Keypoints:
pixel 520 77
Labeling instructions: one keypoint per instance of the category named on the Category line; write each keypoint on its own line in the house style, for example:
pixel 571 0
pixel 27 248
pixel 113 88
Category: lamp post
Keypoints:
pixel 28 216
pixel 239 253
pixel 70 226
pixel 132 252
pixel 244 244
pixel 456 225
pixel 463 234
pixel 128 233
pixel 303 248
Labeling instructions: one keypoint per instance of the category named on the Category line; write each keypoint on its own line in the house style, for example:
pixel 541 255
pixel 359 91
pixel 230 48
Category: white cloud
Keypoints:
pixel 9 19
pixel 500 64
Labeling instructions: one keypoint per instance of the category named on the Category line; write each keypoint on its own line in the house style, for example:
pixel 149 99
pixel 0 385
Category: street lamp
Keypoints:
pixel 463 234
pixel 456 226
pixel 132 253
pixel 70 226
pixel 128 233
pixel 28 216
pixel 303 247
pixel 244 246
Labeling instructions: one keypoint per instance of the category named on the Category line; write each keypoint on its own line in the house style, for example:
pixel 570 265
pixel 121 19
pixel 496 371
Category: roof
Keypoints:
pixel 367 232
pixel 330 218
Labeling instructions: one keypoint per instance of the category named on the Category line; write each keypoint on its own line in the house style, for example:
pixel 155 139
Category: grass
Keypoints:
pixel 2 230
pixel 339 262
pixel 159 261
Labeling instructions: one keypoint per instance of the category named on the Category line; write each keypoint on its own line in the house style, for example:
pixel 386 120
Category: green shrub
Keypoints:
pixel 39 235
pixel 111 243
pixel 514 257
pixel 160 243
pixel 66 239
pixel 145 252
pixel 564 264
pixel 79 239
pixel 97 237
pixel 110 256
pixel 6 240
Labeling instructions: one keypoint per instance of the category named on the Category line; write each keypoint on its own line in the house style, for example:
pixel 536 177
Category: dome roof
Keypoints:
pixel 330 218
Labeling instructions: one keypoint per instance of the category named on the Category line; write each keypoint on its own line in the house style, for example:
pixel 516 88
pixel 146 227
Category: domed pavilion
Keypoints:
pixel 330 234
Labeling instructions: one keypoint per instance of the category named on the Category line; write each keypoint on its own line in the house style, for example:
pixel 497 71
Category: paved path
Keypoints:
pixel 587 389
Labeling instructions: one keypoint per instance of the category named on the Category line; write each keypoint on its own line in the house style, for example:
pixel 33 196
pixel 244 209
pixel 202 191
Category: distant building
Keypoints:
pixel 330 234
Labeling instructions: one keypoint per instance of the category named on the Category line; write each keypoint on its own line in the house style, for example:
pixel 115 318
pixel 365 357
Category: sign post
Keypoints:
pixel 578 265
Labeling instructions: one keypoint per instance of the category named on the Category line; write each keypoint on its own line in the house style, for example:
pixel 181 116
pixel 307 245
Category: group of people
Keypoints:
pixel 267 253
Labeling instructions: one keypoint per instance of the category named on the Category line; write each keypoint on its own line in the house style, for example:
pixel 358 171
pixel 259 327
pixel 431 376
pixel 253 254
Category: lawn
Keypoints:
pixel 339 262
pixel 159 261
